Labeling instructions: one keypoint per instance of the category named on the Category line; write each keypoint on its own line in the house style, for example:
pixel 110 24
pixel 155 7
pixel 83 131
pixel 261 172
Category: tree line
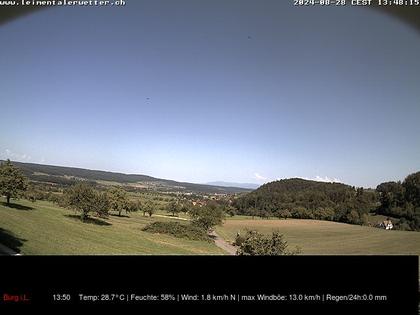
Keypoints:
pixel 401 200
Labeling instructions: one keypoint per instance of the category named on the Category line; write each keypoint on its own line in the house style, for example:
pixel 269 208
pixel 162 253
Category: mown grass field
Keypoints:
pixel 323 237
pixel 44 228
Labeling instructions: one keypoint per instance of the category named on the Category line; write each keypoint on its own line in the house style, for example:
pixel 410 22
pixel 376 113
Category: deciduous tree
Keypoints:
pixel 12 181
pixel 81 197
pixel 149 208
pixel 173 207
pixel 118 199
pixel 207 216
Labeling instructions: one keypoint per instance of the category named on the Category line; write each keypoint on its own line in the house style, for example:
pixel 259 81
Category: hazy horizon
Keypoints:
pixel 231 91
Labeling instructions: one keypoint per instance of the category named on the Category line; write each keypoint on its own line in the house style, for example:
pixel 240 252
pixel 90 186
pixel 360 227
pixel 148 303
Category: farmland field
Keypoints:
pixel 325 237
pixel 44 228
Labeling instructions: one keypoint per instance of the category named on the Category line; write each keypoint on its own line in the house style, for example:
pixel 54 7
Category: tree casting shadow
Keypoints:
pixel 16 206
pixel 8 239
pixel 89 220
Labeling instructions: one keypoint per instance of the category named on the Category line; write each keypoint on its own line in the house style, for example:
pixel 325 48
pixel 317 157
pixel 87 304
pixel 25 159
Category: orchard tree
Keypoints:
pixel 208 216
pixel 173 208
pixel 81 197
pixel 30 193
pixel 185 207
pixel 12 181
pixel 101 204
pixel 134 206
pixel 118 200
pixel 149 209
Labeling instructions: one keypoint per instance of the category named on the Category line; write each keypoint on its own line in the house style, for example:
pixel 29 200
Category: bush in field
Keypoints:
pixel 402 225
pixel 239 240
pixel 187 231
pixel 255 243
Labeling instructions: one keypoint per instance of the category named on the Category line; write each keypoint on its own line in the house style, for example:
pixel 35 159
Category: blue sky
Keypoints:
pixel 198 91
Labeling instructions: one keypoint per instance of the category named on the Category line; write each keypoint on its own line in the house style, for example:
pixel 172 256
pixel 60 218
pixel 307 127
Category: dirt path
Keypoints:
pixel 221 243
pixel 170 217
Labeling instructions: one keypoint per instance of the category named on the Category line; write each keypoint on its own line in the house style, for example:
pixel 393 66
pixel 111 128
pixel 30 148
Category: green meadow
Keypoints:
pixel 43 228
pixel 316 237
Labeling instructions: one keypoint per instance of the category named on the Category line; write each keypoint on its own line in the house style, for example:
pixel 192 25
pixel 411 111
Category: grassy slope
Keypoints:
pixel 46 229
pixel 323 237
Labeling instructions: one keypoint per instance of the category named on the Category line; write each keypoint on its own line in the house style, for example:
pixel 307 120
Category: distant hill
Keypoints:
pixel 68 175
pixel 230 184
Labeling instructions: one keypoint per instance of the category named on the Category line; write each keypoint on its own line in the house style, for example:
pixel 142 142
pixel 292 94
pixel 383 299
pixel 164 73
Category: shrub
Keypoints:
pixel 239 240
pixel 403 226
pixel 187 231
pixel 256 244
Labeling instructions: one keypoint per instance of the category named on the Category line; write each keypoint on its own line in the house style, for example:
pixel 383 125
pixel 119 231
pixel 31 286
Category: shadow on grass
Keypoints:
pixel 9 240
pixel 119 216
pixel 16 206
pixel 95 221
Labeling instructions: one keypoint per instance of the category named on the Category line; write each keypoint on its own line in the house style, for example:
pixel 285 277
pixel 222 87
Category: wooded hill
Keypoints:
pixel 305 199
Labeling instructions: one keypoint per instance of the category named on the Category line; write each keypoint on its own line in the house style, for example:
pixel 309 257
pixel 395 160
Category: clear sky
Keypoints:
pixel 198 91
